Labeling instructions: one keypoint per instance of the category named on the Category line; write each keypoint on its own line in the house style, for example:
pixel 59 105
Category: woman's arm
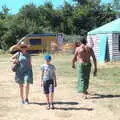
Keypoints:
pixel 14 58
pixel 30 61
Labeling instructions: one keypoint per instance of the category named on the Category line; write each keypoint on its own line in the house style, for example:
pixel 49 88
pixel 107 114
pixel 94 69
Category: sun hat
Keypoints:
pixel 23 46
pixel 18 47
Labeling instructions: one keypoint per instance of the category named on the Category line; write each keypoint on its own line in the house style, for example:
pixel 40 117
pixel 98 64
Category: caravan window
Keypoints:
pixel 35 41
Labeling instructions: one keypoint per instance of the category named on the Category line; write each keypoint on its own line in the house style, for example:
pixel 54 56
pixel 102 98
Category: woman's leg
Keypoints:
pixel 27 88
pixel 21 91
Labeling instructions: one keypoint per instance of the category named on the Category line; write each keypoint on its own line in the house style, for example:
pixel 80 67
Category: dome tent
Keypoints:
pixel 105 41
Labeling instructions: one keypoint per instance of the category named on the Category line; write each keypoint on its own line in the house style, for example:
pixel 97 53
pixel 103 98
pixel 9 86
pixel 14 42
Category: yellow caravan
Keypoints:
pixel 39 42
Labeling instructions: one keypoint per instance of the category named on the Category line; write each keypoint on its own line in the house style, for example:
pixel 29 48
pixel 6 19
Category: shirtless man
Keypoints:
pixel 82 57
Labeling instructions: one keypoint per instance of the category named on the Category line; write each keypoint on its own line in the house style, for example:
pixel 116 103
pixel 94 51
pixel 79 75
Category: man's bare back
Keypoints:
pixel 83 53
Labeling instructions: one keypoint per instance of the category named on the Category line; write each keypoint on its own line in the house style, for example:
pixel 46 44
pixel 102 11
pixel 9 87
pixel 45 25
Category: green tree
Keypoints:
pixel 67 13
pixel 71 20
pixel 30 14
pixel 116 7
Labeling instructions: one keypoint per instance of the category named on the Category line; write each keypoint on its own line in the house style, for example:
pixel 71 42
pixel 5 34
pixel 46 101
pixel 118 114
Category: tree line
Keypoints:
pixel 75 19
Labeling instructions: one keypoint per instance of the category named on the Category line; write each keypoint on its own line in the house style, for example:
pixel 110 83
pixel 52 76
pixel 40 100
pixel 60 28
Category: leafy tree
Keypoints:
pixel 71 20
pixel 67 12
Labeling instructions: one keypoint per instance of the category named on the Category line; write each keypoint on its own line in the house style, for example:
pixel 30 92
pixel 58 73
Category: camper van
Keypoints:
pixel 39 42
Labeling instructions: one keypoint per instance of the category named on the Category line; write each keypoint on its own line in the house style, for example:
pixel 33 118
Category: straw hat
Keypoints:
pixel 23 46
pixel 18 47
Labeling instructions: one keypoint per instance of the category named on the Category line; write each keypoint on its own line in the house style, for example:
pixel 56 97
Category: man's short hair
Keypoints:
pixel 83 40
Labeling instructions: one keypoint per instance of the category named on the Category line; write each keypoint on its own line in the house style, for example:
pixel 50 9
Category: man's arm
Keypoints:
pixel 74 59
pixel 94 61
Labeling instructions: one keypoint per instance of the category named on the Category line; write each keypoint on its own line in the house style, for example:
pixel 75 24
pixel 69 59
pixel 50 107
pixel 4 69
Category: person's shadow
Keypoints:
pixel 65 108
pixel 100 96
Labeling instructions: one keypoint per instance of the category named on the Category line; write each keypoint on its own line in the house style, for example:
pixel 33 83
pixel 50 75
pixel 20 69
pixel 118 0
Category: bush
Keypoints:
pixel 2 51
pixel 72 38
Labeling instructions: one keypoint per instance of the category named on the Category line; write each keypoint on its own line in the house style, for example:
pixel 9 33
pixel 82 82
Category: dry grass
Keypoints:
pixel 103 102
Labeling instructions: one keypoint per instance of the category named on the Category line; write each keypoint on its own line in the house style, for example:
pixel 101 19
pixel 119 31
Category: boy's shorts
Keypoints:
pixel 48 86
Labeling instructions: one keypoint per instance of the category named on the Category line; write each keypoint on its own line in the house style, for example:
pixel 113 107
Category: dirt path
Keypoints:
pixel 68 104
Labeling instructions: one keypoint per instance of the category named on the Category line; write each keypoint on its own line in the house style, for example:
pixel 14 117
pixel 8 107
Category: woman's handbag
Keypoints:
pixel 15 66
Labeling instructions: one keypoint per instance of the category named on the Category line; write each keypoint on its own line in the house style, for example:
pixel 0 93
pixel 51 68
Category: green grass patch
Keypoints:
pixel 109 74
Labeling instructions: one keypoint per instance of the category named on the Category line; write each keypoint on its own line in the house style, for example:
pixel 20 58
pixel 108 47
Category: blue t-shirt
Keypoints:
pixel 48 71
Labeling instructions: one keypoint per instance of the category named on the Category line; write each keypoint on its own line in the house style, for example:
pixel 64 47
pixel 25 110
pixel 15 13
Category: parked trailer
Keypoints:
pixel 38 42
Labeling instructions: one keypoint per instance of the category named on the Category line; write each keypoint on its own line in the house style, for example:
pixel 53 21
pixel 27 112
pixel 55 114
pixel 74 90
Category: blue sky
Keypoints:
pixel 15 5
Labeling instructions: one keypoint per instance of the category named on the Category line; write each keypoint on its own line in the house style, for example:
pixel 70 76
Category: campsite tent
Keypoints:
pixel 105 41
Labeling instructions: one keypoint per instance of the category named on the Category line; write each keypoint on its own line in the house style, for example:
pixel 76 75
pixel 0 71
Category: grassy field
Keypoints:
pixel 103 101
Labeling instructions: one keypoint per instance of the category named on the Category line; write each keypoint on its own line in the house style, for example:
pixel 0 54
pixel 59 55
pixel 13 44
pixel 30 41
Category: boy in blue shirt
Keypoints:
pixel 48 80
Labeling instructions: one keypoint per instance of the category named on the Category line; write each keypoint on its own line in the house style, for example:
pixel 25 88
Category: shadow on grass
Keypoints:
pixel 65 108
pixel 73 108
pixel 100 96
pixel 59 103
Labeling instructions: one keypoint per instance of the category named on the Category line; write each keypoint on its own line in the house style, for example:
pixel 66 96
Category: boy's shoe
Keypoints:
pixel 48 107
pixel 26 101
pixel 52 106
pixel 84 96
pixel 22 102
